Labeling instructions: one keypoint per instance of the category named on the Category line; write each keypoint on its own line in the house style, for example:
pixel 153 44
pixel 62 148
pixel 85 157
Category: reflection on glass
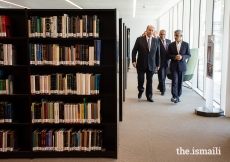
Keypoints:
pixel 191 24
pixel 180 14
pixel 200 84
pixel 175 27
pixel 217 32
pixel 171 25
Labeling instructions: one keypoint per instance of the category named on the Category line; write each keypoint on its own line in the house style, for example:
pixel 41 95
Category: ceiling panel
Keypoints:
pixel 144 8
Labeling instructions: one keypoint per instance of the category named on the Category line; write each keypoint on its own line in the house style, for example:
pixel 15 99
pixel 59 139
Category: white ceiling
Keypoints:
pixel 144 8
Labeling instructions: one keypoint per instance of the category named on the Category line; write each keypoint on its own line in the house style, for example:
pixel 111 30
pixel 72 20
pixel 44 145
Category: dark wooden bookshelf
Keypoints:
pixel 23 98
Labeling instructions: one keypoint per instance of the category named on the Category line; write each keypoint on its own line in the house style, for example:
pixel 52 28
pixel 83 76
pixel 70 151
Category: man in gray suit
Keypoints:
pixel 148 61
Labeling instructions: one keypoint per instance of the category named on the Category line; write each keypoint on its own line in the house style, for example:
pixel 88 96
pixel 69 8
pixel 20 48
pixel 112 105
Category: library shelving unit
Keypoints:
pixel 22 97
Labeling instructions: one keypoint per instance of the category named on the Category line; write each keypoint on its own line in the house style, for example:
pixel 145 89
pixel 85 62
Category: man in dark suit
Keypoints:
pixel 164 61
pixel 147 62
pixel 178 52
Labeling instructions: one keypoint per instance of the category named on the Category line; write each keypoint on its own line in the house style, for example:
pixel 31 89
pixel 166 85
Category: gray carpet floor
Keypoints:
pixel 152 132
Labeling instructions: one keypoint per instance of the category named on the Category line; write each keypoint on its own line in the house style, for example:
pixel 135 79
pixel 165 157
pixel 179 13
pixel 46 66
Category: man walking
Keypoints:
pixel 147 62
pixel 164 61
pixel 178 52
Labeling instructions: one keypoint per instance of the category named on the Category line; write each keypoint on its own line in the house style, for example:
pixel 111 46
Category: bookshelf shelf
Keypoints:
pixel 13 39
pixel 22 98
pixel 74 154
pixel 18 154
pixel 14 95
pixel 71 39
pixel 15 124
pixel 79 96
pixel 73 124
pixel 13 66
pixel 71 67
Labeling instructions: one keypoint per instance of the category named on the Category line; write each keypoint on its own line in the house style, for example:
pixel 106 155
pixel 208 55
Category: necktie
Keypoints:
pixel 164 43
pixel 149 43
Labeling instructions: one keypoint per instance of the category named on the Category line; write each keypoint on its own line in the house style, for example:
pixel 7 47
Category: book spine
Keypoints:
pixel 42 88
pixel 11 84
pixel 5 54
pixel 32 56
pixel 37 84
pixel 98 54
pixel 48 27
pixel 1 52
pixel 32 84
pixel 90 26
pixel 59 26
pixel 9 54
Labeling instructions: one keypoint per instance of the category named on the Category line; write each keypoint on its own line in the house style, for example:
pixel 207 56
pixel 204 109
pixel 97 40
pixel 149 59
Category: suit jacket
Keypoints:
pixel 146 58
pixel 163 53
pixel 185 53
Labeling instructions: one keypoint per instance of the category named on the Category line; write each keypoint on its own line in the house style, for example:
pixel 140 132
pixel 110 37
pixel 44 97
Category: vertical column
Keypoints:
pixel 225 80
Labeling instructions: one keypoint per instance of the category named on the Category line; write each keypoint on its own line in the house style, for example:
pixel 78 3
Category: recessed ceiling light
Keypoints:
pixel 13 4
pixel 73 4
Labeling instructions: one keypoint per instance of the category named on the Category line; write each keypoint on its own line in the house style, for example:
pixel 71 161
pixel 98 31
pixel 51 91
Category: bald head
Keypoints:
pixel 150 29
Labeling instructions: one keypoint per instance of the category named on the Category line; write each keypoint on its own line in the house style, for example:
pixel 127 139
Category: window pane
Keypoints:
pixel 169 35
pixel 174 20
pixel 180 14
pixel 200 84
pixel 218 33
pixel 186 19
pixel 164 23
pixel 191 24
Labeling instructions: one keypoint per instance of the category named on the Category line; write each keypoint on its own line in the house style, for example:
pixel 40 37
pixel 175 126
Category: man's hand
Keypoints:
pixel 178 57
pixel 158 67
pixel 134 64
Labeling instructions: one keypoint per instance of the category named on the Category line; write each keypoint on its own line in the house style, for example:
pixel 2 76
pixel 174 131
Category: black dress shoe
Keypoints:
pixel 139 95
pixel 149 99
pixel 162 93
pixel 175 100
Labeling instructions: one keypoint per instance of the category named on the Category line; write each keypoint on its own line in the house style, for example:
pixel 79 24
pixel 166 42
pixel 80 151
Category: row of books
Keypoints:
pixel 5 26
pixel 63 26
pixel 60 112
pixel 54 54
pixel 6 112
pixel 59 83
pixel 67 139
pixel 7 54
pixel 8 140
pixel 7 85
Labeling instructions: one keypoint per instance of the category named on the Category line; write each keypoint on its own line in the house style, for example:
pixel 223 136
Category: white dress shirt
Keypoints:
pixel 178 46
pixel 150 41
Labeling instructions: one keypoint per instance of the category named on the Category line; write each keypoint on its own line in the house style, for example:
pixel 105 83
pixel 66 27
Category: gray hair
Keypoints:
pixel 163 30
pixel 179 32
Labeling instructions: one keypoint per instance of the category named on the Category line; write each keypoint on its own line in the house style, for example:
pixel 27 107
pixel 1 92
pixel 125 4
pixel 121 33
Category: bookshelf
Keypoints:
pixel 22 70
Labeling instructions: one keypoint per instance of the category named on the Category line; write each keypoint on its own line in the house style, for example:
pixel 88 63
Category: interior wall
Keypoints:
pixel 137 28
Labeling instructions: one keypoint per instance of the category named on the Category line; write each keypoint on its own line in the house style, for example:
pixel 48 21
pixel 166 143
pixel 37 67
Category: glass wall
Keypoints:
pixel 191 24
pixel 217 31
pixel 169 35
pixel 200 84
pixel 180 14
pixel 186 21
pixel 190 16
pixel 164 22
pixel 175 27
